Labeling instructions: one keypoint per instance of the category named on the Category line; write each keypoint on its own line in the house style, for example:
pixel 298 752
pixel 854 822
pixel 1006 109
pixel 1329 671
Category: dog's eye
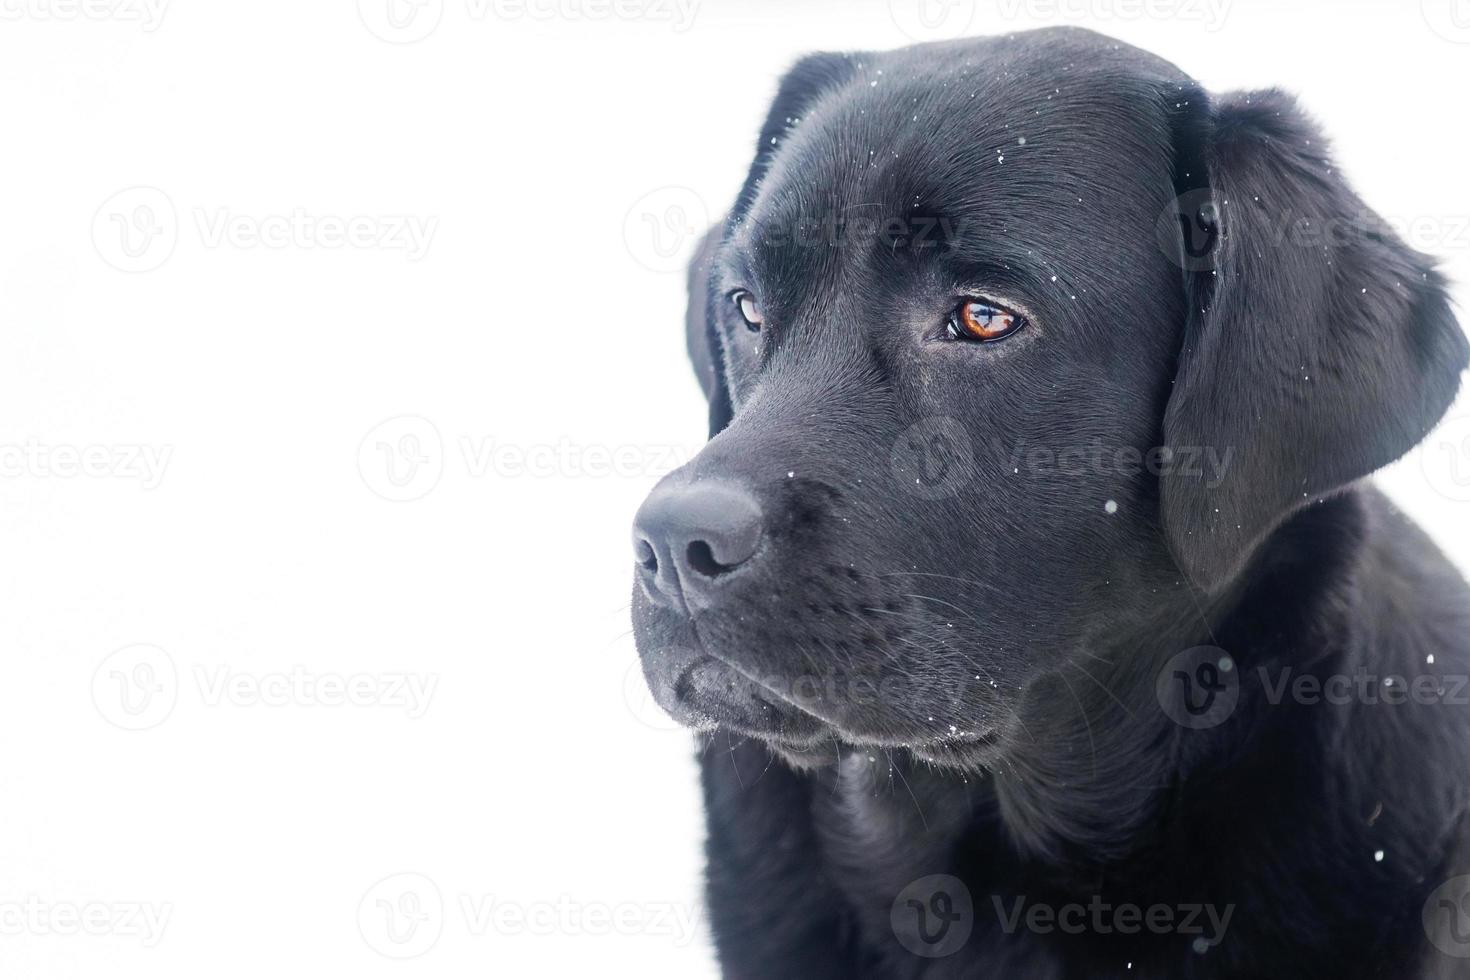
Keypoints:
pixel 745 303
pixel 983 321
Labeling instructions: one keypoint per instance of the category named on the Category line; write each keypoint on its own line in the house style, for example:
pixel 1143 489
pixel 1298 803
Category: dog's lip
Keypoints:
pixel 779 721
pixel 818 736
pixel 797 727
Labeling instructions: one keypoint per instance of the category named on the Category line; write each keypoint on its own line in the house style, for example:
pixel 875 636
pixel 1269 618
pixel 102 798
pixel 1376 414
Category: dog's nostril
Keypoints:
pixel 644 555
pixel 687 537
pixel 701 558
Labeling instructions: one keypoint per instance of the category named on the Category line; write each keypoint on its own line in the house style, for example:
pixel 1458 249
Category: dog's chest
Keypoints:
pixel 937 891
pixel 888 840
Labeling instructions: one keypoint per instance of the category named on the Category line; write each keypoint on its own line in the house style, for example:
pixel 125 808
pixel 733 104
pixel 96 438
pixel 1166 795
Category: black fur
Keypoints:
pixel 945 658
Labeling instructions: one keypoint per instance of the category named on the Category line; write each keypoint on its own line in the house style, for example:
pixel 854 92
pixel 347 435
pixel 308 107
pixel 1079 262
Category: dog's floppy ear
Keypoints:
pixel 1319 346
pixel 799 88
pixel 699 335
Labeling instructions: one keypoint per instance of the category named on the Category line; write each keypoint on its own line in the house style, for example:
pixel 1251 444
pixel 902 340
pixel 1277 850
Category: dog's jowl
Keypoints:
pixel 1029 599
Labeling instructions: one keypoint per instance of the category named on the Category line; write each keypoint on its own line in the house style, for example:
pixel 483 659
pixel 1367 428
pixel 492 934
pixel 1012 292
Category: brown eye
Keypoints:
pixel 745 303
pixel 984 321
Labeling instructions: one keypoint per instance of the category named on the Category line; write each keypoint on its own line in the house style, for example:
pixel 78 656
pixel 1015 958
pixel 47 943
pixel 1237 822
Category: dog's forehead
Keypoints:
pixel 1045 138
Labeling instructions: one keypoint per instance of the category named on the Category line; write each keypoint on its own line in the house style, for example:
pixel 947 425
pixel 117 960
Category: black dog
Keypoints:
pixel 1027 596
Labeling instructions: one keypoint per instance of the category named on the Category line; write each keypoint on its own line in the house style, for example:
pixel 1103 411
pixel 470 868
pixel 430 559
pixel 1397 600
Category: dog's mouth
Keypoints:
pixel 710 693
pixel 798 721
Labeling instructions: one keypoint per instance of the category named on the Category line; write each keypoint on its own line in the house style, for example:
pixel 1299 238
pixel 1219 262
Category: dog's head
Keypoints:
pixel 1004 340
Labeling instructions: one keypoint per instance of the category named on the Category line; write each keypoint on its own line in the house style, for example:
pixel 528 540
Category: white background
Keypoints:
pixel 175 636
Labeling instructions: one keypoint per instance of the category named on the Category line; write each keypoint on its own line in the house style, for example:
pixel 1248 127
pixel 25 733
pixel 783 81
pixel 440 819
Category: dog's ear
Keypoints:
pixel 1319 347
pixel 799 88
pixel 699 334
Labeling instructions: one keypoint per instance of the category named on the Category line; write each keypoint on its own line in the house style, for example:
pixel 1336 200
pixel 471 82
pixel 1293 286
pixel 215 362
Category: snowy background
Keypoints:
pixel 341 341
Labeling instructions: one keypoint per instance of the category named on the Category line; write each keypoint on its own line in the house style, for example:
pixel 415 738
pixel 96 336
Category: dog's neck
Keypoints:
pixel 1093 771
pixel 1088 782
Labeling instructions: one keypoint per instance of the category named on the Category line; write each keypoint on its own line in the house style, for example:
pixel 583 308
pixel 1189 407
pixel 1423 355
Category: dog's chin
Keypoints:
pixel 706 694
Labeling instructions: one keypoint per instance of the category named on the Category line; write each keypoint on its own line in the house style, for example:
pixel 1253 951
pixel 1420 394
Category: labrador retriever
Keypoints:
pixel 1029 600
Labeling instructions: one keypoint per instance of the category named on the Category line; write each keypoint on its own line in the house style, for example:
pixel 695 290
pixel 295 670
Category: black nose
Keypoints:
pixel 687 539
